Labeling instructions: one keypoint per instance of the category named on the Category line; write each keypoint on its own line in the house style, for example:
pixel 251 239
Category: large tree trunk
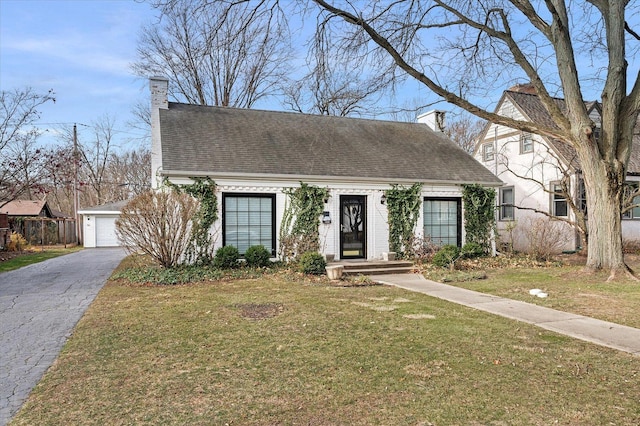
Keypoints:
pixel 604 184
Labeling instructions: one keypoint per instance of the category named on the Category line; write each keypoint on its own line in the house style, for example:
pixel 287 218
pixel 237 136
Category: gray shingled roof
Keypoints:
pixel 203 139
pixel 115 207
pixel 531 106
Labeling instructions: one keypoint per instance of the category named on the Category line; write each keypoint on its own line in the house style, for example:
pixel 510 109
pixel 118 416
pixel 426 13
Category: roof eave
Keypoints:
pixel 342 179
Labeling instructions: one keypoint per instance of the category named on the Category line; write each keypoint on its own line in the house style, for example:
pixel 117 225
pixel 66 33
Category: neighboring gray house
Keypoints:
pixel 253 155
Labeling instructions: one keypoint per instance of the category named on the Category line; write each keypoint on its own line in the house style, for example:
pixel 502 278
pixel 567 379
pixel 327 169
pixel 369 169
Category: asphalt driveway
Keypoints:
pixel 39 306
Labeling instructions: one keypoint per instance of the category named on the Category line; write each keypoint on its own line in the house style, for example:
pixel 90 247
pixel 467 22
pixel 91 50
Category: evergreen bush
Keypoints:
pixel 226 257
pixel 472 250
pixel 257 256
pixel 312 263
pixel 446 256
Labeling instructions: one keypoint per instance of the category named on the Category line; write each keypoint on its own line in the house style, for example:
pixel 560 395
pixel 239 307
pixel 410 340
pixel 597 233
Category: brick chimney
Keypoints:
pixel 434 119
pixel 159 87
pixel 524 88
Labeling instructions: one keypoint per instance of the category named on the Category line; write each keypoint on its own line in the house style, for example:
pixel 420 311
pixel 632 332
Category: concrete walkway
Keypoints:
pixel 40 305
pixel 603 333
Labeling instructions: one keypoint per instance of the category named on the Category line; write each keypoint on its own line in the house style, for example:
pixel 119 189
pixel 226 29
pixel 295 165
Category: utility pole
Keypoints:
pixel 75 182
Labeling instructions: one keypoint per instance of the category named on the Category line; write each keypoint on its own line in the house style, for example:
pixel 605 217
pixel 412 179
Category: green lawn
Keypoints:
pixel 569 289
pixel 35 256
pixel 280 350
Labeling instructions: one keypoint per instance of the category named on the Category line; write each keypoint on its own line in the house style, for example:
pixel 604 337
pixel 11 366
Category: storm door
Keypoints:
pixel 353 225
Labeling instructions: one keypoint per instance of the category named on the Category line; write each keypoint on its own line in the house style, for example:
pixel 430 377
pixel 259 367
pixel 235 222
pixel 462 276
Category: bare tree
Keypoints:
pixel 216 53
pixel 337 83
pixel 20 158
pixel 106 172
pixel 129 172
pixel 60 177
pixel 460 50
pixel 464 131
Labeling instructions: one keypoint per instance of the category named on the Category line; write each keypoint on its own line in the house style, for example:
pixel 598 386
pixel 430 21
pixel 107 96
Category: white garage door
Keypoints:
pixel 106 231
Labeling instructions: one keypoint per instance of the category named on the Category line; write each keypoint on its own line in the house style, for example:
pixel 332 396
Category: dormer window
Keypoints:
pixel 526 143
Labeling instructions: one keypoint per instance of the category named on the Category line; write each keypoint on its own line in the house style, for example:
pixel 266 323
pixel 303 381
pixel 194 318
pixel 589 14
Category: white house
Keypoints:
pixel 533 168
pixel 253 155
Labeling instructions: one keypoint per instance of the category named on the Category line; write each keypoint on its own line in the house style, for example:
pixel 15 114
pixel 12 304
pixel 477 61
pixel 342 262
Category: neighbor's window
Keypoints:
pixel 487 152
pixel 526 142
pixel 506 204
pixel 597 133
pixel 582 196
pixel 443 220
pixel 631 188
pixel 558 201
pixel 249 220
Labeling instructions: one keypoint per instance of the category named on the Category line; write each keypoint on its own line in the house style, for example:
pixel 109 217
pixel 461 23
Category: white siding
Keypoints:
pixel 377 227
pixel 525 172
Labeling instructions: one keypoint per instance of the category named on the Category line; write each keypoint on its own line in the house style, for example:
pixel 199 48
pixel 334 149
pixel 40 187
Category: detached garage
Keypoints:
pixel 99 224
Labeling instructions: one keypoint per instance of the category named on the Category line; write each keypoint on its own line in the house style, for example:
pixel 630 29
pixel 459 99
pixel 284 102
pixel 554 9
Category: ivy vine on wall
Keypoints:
pixel 479 214
pixel 203 189
pixel 403 205
pixel 299 228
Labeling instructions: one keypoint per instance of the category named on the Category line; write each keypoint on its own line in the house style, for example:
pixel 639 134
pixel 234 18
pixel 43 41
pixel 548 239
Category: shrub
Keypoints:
pixel 472 250
pixel 226 257
pixel 16 242
pixel 446 256
pixel 547 237
pixel 420 249
pixel 257 256
pixel 312 263
pixel 631 246
pixel 159 224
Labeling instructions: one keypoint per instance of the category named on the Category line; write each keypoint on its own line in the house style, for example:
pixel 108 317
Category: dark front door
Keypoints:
pixel 353 225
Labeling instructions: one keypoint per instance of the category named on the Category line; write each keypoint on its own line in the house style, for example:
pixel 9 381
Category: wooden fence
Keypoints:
pixel 46 231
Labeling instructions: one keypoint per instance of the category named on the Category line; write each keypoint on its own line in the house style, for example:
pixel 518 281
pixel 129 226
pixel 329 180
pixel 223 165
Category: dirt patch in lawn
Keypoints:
pixel 260 311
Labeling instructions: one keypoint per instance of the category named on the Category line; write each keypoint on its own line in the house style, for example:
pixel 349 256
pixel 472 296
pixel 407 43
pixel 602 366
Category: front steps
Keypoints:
pixel 376 267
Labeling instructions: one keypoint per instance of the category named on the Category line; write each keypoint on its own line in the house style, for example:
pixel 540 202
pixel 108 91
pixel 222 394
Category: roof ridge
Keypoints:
pixel 294 113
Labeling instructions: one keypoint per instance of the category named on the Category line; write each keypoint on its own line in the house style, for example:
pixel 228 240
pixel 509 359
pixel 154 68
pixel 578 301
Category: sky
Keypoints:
pixel 82 49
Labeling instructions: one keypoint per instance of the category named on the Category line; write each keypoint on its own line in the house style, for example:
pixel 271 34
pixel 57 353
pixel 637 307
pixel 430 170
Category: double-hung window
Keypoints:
pixel 506 203
pixel 488 153
pixel 559 205
pixel 249 220
pixel 526 143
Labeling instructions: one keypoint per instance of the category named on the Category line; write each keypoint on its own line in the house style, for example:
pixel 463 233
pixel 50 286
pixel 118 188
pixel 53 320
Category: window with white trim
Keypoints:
pixel 559 205
pixel 506 197
pixel 249 220
pixel 526 143
pixel 487 152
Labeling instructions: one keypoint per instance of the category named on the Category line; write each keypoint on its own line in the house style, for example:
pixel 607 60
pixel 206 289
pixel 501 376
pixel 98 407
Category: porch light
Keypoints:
pixel 326 219
pixel 383 199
